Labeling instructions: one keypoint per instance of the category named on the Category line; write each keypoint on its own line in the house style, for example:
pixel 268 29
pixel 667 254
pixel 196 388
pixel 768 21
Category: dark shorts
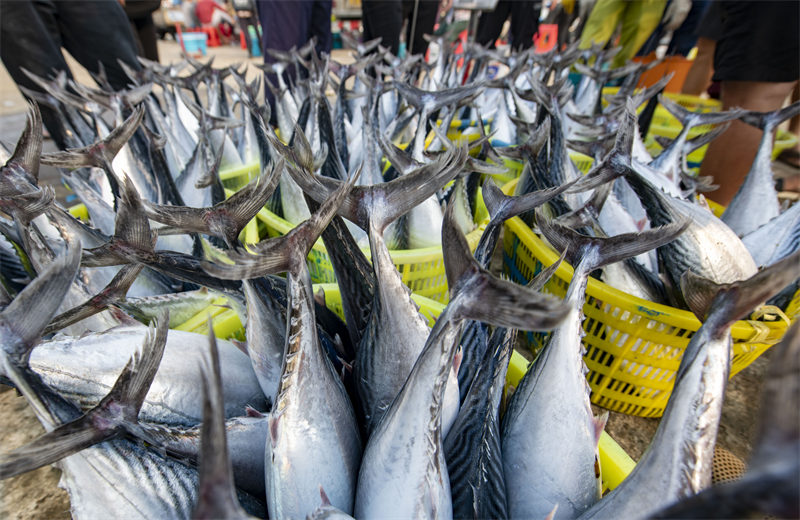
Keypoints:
pixel 760 42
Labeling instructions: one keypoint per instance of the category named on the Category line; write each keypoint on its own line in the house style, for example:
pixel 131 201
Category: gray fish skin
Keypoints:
pixel 678 462
pixel 415 483
pixel 776 239
pixel 314 439
pixel 756 201
pixel 173 398
pixel 561 455
pixel 98 480
pixel 771 485
pixel 266 337
pixel 247 437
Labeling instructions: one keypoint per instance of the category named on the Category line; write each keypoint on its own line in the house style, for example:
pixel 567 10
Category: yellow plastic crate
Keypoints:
pixel 634 346
pixel 615 464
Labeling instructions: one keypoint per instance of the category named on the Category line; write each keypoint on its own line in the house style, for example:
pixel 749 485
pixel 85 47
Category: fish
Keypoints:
pixel 756 201
pixel 562 452
pixel 678 462
pixel 416 485
pixel 216 493
pixel 305 449
pixel 769 486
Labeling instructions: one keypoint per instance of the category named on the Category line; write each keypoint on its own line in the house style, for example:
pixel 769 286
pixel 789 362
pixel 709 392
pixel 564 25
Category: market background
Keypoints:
pixel 35 495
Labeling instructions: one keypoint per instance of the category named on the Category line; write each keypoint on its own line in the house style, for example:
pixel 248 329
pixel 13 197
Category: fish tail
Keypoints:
pixel 117 413
pixel 769 120
pixel 606 250
pixel 29 147
pixel 689 118
pixel 216 494
pixel 484 297
pixel 738 298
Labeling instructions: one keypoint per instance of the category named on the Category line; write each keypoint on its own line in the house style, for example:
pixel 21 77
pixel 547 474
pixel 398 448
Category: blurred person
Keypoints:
pixel 190 20
pixel 384 19
pixel 639 19
pixel 213 14
pixel 246 15
pixel 94 32
pixel 708 32
pixel 524 16
pixel 682 18
pixel 292 23
pixel 140 13
pixel 757 61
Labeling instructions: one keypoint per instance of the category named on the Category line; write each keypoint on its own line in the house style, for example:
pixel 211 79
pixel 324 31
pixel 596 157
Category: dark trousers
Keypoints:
pixel 384 19
pixel 524 23
pixel 245 21
pixel 32 34
pixel 292 23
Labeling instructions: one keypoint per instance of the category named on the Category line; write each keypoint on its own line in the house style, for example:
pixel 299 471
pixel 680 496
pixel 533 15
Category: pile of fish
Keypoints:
pixel 376 416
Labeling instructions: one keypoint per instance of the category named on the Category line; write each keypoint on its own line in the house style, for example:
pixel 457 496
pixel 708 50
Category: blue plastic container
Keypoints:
pixel 195 42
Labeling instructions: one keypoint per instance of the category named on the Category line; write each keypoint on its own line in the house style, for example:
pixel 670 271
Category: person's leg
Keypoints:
pixel 244 22
pixel 699 76
pixel 98 31
pixel 383 19
pixel 146 33
pixel 490 24
pixel 524 23
pixel 27 42
pixel 417 29
pixel 602 22
pixel 320 25
pixel 285 24
pixel 639 21
pixel 729 156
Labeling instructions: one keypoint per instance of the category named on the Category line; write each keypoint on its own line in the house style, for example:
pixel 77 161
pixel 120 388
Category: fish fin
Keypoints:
pixel 274 423
pixel 99 154
pixel 705 138
pixel 324 497
pixel 769 120
pixel 746 295
pixel 487 298
pixel 216 491
pixel 541 279
pixel 398 195
pixel 225 219
pixel 116 413
pixel 609 249
pixel 132 225
pixel 28 314
pixel 599 422
pixel 116 289
pixel 29 147
pixel 284 253
pixel 687 117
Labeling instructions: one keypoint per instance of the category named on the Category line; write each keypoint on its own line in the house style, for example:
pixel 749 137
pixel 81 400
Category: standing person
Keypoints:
pixel 384 19
pixel 757 61
pixel 140 13
pixel 246 14
pixel 291 23
pixel 94 32
pixel 639 19
pixel 524 23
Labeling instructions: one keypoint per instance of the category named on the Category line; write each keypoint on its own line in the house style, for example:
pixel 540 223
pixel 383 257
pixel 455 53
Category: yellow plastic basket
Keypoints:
pixel 615 464
pixel 634 346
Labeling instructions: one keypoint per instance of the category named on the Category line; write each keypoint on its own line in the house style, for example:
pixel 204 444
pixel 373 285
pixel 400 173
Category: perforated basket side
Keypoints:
pixel 634 347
